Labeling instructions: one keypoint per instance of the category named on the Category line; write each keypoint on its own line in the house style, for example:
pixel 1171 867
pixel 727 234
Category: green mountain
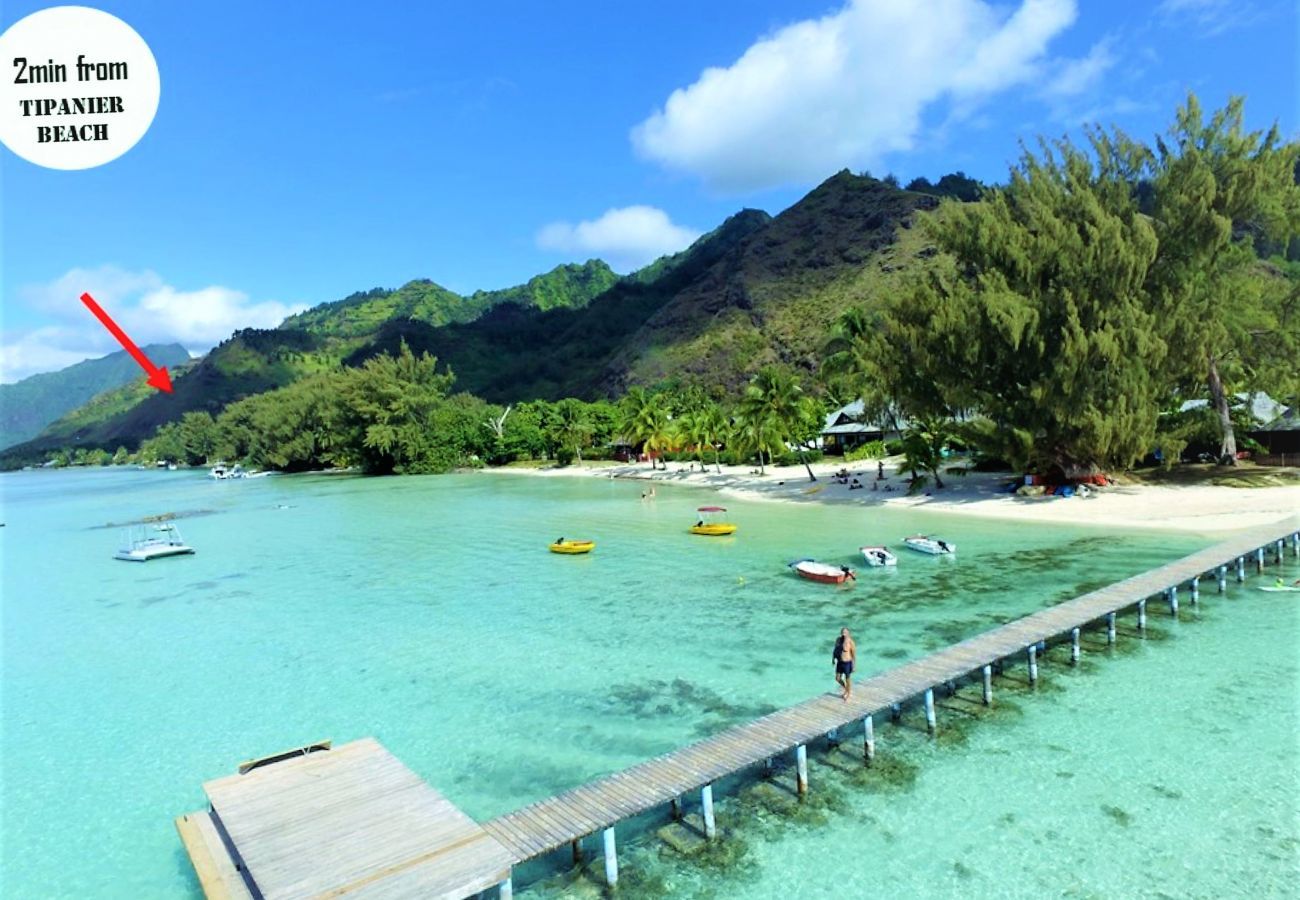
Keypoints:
pixel 362 314
pixel 523 353
pixel 29 405
pixel 757 289
pixel 775 295
pixel 570 286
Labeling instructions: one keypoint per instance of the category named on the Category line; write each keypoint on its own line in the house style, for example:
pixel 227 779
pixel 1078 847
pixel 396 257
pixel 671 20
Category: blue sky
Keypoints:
pixel 302 151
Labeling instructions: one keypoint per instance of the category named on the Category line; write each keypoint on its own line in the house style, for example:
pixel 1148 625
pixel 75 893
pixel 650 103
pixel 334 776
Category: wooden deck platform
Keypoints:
pixel 352 822
pixel 548 824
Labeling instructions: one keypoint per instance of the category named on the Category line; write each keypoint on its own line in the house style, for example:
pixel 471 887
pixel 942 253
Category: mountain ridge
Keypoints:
pixel 30 405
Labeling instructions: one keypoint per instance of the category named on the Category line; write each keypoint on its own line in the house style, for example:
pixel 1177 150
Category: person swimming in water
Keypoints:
pixel 844 655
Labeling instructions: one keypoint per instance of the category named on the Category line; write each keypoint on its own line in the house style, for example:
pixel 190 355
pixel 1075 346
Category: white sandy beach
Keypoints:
pixel 1194 508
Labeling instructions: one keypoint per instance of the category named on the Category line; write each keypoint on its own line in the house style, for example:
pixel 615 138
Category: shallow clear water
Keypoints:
pixel 427 612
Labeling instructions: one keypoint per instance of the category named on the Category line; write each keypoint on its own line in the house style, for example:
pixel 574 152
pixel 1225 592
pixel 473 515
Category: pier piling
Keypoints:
pixel 1223 579
pixel 930 722
pixel 801 768
pixel 1259 561
pixel 576 848
pixel 676 807
pixel 1280 551
pixel 706 800
pixel 506 890
pixel 1142 615
pixel 1196 590
pixel 1110 629
pixel 1173 601
pixel 869 739
pixel 611 858
pixel 895 713
pixel 988 685
pixel 1074 647
pixel 1241 569
pixel 1033 664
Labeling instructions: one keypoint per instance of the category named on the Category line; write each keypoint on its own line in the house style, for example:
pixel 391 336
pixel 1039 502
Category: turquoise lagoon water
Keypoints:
pixel 427 612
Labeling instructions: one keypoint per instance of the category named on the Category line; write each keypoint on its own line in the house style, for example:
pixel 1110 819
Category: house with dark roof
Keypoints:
pixel 847 428
pixel 1280 436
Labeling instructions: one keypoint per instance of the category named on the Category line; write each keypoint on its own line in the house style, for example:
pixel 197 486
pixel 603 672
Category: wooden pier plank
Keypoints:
pixel 352 819
pixel 216 871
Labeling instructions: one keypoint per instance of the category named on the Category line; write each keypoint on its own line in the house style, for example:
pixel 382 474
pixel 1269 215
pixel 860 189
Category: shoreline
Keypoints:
pixel 1196 508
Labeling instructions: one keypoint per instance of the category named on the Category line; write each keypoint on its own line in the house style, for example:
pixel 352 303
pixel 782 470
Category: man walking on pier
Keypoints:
pixel 844 655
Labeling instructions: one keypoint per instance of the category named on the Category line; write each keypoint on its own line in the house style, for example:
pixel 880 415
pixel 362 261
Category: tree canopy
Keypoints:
pixel 1071 305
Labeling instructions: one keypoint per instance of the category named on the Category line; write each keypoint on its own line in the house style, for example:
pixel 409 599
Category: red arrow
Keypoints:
pixel 157 377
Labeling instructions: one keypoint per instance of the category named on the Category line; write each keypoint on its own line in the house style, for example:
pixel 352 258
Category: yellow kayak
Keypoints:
pixel 563 546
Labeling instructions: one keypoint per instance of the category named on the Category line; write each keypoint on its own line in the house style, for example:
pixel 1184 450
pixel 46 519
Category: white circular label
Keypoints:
pixel 78 87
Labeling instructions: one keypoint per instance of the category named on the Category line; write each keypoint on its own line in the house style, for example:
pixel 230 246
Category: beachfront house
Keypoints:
pixel 1280 439
pixel 848 427
pixel 1276 428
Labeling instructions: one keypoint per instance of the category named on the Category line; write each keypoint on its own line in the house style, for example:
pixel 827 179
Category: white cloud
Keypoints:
pixel 1073 77
pixel 626 238
pixel 846 89
pixel 148 309
pixel 1210 17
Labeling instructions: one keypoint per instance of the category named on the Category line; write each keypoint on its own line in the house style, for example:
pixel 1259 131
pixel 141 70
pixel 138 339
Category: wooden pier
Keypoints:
pixel 352 822
pixel 476 858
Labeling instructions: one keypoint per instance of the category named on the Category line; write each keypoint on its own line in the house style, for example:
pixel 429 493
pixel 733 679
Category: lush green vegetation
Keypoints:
pixel 570 286
pixel 399 414
pixel 360 315
pixel 1098 290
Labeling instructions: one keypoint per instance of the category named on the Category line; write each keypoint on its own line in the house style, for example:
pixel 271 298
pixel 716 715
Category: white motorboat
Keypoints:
pixel 925 544
pixel 822 572
pixel 878 556
pixel 143 544
pixel 222 472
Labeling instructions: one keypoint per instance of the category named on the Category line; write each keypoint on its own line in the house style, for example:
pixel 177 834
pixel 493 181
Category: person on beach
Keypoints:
pixel 844 655
pixel 880 470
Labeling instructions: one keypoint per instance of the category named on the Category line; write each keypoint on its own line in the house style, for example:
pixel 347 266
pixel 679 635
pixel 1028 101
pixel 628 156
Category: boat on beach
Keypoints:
pixel 923 543
pixel 708 523
pixel 144 543
pixel 822 572
pixel 572 548
pixel 878 556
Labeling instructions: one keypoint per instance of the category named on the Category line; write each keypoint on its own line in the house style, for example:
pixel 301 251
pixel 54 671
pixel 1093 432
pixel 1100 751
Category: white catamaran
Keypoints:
pixel 144 543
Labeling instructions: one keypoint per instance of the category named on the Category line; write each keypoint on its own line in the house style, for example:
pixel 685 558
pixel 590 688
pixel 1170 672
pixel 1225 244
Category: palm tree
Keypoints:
pixel 645 418
pixel 775 408
pixel 704 425
pixel 572 426
pixel 757 432
pixel 847 362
